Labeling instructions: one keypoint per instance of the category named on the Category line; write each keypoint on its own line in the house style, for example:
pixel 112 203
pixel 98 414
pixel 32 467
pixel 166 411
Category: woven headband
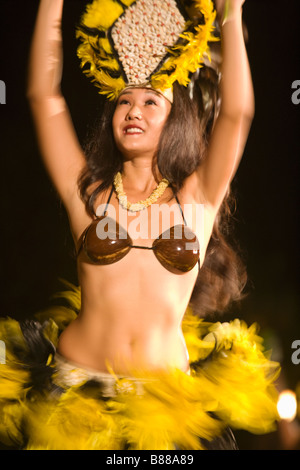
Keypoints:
pixel 144 43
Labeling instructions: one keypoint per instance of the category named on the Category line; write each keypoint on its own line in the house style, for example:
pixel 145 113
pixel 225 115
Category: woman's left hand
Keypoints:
pixel 223 7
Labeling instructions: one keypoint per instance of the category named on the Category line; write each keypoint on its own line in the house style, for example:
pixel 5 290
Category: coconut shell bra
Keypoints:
pixel 177 248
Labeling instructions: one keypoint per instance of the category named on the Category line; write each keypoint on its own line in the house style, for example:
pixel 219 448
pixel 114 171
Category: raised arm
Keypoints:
pixel 59 145
pixel 237 108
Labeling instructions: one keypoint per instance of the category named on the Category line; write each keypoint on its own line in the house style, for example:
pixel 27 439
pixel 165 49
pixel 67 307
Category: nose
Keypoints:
pixel 134 113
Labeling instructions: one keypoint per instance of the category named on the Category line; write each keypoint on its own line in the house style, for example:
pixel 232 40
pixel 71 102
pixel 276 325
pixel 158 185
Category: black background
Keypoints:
pixel 36 246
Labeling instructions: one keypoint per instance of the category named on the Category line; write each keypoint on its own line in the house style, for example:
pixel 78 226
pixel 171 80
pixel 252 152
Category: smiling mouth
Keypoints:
pixel 133 130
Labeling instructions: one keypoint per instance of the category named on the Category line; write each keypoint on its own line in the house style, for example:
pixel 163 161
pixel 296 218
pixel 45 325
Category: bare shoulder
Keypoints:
pixel 78 214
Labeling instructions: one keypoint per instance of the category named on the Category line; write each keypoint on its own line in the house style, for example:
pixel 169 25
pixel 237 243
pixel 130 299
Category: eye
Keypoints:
pixel 150 101
pixel 123 101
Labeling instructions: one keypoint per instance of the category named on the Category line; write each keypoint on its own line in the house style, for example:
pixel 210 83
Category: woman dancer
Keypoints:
pixel 133 364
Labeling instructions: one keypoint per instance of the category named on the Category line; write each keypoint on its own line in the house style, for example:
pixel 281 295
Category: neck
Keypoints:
pixel 138 176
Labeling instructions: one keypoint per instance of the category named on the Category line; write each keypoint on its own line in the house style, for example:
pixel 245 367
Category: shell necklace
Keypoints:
pixel 138 206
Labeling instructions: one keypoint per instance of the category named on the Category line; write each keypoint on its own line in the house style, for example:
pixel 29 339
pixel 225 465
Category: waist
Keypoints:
pixel 125 347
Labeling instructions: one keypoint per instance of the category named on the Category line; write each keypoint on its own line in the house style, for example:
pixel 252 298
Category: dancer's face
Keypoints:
pixel 139 118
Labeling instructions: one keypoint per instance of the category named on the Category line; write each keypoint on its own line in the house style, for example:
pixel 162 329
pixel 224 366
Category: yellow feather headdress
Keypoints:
pixel 144 42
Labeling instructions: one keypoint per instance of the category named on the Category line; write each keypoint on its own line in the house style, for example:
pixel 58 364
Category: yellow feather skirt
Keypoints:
pixel 231 385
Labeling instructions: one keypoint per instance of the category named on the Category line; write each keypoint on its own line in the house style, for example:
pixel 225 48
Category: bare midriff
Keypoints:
pixel 130 318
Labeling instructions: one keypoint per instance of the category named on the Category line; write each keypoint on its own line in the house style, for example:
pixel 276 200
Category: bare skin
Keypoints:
pixel 132 310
